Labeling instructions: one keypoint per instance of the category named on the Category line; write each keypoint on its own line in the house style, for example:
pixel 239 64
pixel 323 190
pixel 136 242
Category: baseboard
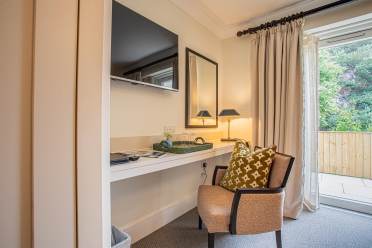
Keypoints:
pixel 346 204
pixel 149 223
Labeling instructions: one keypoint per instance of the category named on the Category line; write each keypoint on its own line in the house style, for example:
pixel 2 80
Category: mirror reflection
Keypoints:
pixel 202 87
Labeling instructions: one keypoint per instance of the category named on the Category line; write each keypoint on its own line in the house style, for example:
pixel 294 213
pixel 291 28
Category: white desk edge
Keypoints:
pixel 148 165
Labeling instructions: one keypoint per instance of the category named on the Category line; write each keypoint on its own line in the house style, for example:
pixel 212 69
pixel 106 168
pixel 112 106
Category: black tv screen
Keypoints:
pixel 142 51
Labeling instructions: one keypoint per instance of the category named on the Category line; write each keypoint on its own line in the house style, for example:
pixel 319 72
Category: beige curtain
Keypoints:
pixel 311 123
pixel 278 113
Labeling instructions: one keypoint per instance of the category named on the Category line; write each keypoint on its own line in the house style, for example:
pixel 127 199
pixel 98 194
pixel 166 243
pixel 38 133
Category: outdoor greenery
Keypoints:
pixel 345 92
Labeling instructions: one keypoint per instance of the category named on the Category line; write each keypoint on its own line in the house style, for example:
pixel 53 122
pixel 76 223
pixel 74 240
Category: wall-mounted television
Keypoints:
pixel 142 52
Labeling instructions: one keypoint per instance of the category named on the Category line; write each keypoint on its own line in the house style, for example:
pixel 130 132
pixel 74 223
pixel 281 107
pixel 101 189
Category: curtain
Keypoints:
pixel 311 123
pixel 278 92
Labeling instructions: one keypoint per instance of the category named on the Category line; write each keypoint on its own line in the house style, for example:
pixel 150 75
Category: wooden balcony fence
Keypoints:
pixel 345 153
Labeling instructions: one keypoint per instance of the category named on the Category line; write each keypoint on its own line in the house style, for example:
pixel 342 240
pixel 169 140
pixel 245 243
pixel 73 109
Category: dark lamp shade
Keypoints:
pixel 204 114
pixel 229 112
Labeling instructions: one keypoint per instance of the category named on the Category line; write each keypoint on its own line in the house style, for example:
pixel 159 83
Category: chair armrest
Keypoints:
pixel 218 173
pixel 256 211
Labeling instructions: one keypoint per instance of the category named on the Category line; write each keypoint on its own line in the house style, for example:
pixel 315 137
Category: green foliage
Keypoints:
pixel 345 92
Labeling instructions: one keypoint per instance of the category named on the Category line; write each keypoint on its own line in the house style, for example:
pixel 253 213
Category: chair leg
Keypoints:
pixel 200 226
pixel 210 240
pixel 278 235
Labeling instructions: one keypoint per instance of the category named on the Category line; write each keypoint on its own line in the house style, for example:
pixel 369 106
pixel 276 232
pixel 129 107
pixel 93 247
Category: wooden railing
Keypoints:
pixel 346 153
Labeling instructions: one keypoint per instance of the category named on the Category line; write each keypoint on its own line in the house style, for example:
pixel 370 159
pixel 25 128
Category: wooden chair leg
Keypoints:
pixel 200 226
pixel 210 240
pixel 278 235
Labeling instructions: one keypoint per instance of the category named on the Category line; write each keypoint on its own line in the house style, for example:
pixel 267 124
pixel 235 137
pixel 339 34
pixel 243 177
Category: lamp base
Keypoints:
pixel 229 139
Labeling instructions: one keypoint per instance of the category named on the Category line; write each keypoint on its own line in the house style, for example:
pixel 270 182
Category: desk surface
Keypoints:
pixel 149 165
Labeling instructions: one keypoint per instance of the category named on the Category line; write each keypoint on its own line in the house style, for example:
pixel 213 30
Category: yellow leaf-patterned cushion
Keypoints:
pixel 251 171
pixel 241 149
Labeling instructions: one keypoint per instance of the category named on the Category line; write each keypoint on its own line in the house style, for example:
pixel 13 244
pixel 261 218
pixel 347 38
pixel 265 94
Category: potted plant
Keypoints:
pixel 168 137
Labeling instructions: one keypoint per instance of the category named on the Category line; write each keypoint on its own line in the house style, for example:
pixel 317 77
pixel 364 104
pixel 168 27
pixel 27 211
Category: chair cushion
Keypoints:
pixel 250 171
pixel 278 170
pixel 219 175
pixel 214 206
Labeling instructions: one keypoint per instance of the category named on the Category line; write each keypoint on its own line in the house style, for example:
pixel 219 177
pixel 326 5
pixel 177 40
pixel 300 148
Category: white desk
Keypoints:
pixel 149 165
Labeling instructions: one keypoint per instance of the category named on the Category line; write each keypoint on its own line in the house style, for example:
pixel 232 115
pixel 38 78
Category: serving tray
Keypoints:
pixel 182 147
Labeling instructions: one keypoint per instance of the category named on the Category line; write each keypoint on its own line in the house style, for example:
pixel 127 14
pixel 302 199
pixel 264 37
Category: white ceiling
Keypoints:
pixel 226 17
pixel 238 11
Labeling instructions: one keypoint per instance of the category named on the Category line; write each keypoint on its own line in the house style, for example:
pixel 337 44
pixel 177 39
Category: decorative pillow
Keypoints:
pixel 241 149
pixel 250 171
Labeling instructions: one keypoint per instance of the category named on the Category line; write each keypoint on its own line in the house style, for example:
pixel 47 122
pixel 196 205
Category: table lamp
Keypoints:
pixel 229 114
pixel 203 114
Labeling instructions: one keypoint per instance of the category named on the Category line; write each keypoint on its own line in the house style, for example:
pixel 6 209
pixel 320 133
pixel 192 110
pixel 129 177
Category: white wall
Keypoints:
pixel 15 125
pixel 142 111
pixel 54 184
pixel 237 84
pixel 93 144
pixel 143 204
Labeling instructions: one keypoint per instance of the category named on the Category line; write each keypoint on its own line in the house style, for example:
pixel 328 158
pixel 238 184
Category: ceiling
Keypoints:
pixel 226 17
pixel 238 11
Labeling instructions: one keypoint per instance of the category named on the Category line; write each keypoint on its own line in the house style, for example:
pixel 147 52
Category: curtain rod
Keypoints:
pixel 292 17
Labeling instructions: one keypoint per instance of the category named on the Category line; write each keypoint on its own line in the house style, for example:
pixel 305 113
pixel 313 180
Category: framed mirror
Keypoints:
pixel 201 91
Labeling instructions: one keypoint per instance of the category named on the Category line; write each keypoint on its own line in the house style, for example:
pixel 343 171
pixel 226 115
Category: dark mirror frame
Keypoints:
pixel 187 124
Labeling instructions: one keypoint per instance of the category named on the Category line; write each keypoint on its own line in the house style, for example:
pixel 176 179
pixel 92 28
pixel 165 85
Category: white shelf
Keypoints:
pixel 148 165
pixel 142 83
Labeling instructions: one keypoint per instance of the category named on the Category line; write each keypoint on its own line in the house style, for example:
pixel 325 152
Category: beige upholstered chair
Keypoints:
pixel 246 211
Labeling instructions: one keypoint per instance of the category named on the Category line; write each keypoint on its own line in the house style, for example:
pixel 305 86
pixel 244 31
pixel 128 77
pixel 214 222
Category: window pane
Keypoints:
pixel 345 92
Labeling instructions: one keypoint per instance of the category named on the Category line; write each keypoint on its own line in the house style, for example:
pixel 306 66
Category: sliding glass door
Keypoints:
pixel 345 121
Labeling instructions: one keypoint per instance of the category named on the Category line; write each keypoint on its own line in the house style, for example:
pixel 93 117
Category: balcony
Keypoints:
pixel 345 165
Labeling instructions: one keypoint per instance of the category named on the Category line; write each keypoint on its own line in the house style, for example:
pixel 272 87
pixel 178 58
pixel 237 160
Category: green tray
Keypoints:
pixel 182 147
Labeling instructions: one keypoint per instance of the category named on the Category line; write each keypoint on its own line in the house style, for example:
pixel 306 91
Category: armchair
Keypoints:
pixel 246 211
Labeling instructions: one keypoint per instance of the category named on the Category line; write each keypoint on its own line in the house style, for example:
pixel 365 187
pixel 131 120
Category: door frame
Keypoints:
pixel 93 124
pixel 343 32
pixel 345 203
